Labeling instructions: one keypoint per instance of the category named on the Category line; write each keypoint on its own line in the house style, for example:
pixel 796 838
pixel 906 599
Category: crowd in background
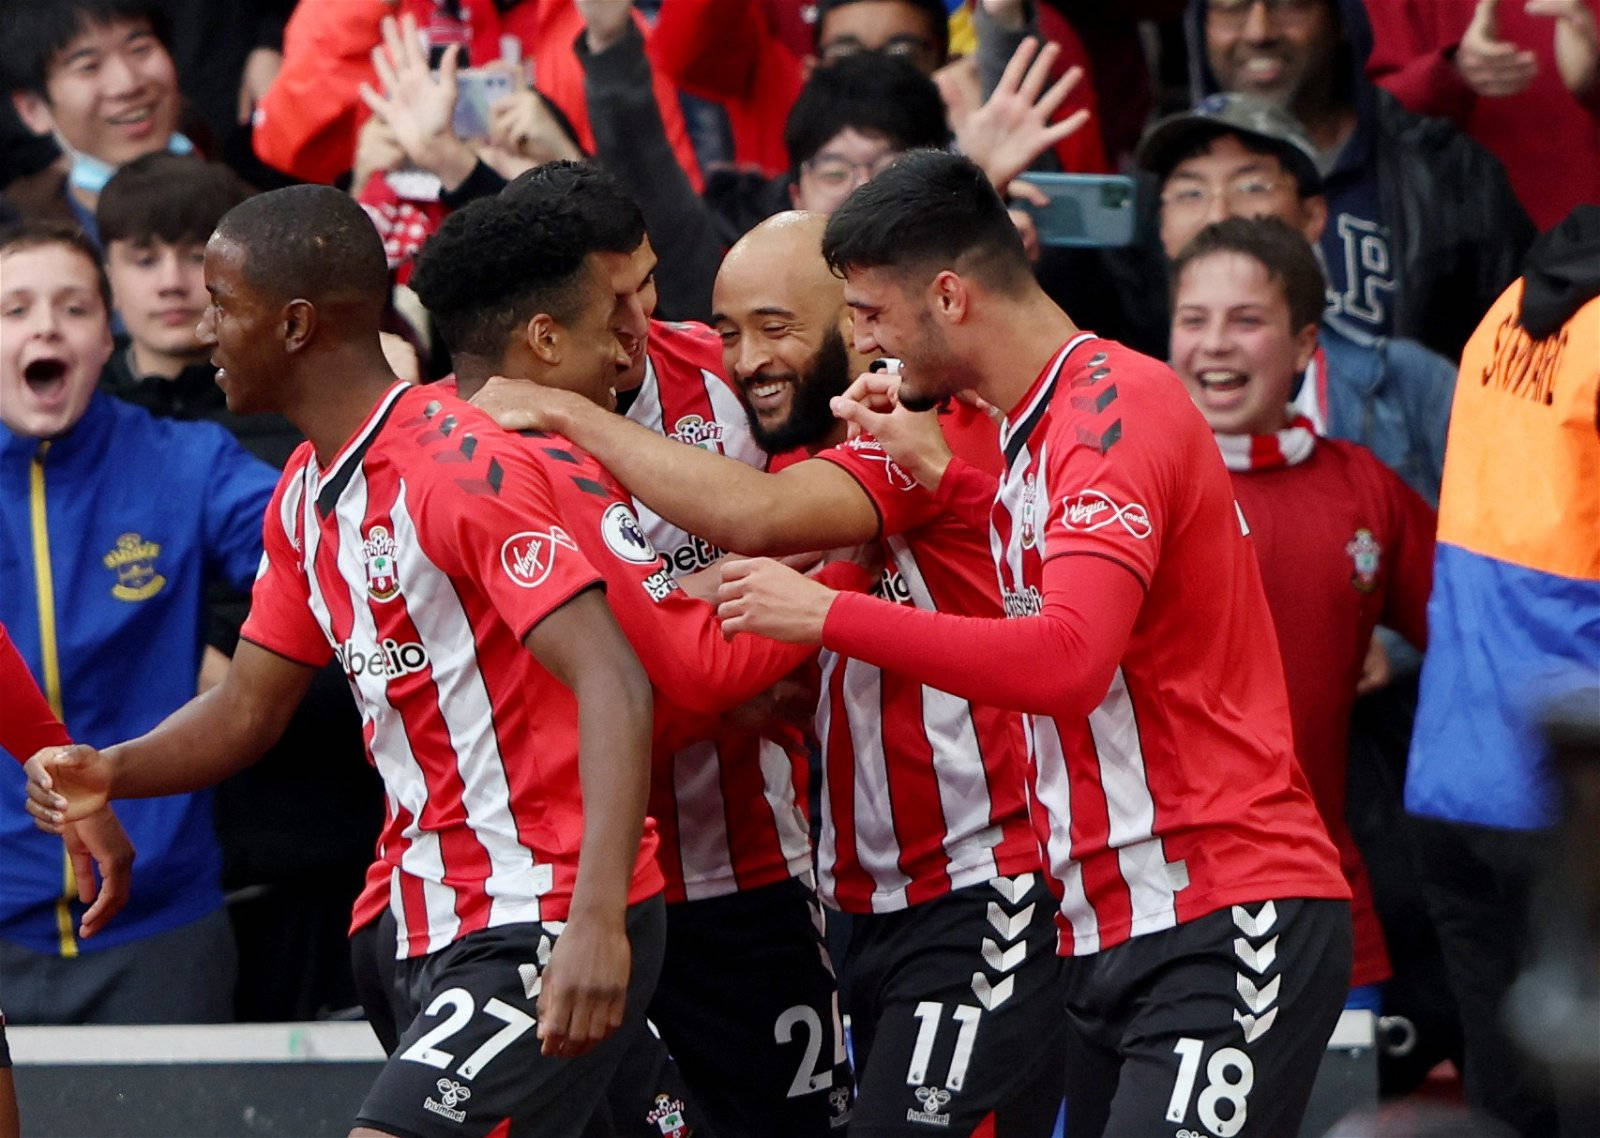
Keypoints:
pixel 1434 170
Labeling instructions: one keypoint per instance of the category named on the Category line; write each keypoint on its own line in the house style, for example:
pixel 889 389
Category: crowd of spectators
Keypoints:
pixel 1340 208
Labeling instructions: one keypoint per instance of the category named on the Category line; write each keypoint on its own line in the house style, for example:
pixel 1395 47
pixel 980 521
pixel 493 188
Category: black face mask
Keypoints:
pixel 810 416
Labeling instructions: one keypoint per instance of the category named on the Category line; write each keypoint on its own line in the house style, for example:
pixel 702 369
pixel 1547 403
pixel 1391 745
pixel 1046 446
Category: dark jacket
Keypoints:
pixel 1456 228
pixel 194 394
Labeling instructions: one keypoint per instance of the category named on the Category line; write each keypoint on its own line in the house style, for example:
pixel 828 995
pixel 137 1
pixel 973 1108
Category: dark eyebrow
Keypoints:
pixel 82 53
pixel 771 310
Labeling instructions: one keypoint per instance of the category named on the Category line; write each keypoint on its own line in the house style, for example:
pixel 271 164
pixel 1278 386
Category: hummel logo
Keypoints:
pixel 1009 927
pixel 1007 959
pixel 1255 1027
pixel 992 996
pixel 1257 999
pixel 1256 959
pixel 1258 925
pixel 1013 889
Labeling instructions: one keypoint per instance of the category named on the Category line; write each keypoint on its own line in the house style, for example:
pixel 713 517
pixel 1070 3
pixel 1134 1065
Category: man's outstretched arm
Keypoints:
pixel 810 505
pixel 1058 663
pixel 207 739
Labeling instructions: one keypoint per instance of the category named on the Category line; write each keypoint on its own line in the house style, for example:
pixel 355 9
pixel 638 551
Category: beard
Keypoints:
pixel 929 380
pixel 810 415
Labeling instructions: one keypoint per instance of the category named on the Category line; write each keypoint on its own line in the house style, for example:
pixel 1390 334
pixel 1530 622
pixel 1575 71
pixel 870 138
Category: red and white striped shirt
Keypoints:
pixel 731 806
pixel 421 557
pixel 923 791
pixel 1179 794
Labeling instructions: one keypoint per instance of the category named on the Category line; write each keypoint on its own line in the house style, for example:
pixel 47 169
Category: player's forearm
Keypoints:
pixel 207 739
pixel 717 498
pixel 614 733
pixel 1058 662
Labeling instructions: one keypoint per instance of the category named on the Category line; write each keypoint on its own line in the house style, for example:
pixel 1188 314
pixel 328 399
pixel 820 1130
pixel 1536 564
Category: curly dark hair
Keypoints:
pixel 498 262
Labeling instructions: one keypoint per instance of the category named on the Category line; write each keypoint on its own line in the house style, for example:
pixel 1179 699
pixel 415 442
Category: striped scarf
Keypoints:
pixel 1291 445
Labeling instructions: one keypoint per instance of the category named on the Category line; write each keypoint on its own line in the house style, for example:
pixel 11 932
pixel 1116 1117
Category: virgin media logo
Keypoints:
pixel 1090 510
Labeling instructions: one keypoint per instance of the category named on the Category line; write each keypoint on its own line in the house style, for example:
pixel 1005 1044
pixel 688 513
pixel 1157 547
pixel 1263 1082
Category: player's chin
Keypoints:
pixel 915 398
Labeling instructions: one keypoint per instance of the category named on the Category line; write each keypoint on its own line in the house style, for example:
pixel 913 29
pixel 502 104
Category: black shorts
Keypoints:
pixel 373 964
pixel 1212 1029
pixel 470 1057
pixel 646 1089
pixel 749 1008
pixel 956 1016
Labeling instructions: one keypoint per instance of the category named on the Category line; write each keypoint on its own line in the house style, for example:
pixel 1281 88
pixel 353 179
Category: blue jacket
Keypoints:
pixel 138 515
pixel 1393 397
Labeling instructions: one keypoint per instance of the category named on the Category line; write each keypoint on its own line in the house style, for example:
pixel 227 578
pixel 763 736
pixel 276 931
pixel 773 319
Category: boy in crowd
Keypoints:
pixel 1343 544
pixel 107 563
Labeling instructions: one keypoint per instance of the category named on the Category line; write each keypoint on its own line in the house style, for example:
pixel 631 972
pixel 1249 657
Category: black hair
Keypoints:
pixel 1200 145
pixel 167 197
pixel 310 242
pixel 35 31
pixel 495 264
pixel 609 218
pixel 927 212
pixel 1278 247
pixel 38 234
pixel 872 93
pixel 936 12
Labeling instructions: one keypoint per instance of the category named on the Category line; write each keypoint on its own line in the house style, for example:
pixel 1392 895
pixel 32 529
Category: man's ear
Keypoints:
pixel 34 112
pixel 299 324
pixel 949 296
pixel 545 339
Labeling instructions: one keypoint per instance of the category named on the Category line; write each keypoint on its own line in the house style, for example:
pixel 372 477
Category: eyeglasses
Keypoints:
pixel 913 49
pixel 835 172
pixel 1245 195
pixel 1234 11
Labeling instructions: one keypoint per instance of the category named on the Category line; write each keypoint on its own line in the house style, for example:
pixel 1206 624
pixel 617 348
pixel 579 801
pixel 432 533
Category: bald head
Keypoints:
pixel 781 257
pixel 781 314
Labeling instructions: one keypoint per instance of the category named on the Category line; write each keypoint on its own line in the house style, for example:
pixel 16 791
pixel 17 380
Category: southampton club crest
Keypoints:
pixel 1365 553
pixel 378 551
pixel 668 1117
pixel 698 431
pixel 133 560
pixel 1028 521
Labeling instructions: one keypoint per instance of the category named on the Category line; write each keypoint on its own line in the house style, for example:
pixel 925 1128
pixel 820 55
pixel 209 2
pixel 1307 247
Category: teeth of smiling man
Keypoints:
pixel 1220 378
pixel 130 118
pixel 763 390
